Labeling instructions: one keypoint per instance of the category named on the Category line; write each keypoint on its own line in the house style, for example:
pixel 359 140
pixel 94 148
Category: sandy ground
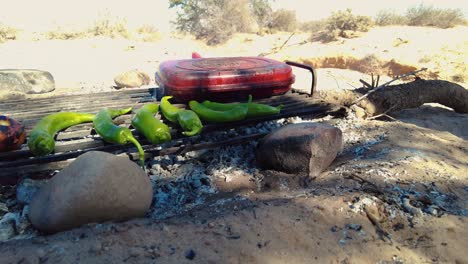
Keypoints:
pixel 396 194
pixel 89 65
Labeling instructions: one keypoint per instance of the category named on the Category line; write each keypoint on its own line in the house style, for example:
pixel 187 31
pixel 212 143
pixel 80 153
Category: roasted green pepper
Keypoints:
pixel 187 119
pixel 237 113
pixel 41 139
pixel 169 111
pixel 254 110
pixel 115 134
pixel 190 122
pixel 154 130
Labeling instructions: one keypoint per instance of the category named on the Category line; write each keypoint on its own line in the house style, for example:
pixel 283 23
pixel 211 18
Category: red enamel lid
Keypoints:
pixel 217 74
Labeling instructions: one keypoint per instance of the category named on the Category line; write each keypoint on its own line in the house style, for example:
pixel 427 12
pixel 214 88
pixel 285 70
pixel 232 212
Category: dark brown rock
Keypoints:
pixel 96 187
pixel 300 148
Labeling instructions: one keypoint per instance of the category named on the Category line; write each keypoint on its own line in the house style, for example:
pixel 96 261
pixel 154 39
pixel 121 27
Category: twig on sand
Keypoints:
pixel 354 176
pixel 385 84
pixel 375 221
pixel 366 84
pixel 276 50
pixel 286 41
pixel 384 114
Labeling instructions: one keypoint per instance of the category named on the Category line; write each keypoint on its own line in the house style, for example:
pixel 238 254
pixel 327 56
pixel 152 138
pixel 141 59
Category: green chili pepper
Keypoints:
pixel 255 109
pixel 169 111
pixel 187 119
pixel 153 129
pixel 190 122
pixel 115 134
pixel 41 139
pixel 237 113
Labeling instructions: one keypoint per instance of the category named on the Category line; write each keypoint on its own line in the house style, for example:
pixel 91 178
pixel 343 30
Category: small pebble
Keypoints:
pixel 190 254
pixel 134 252
pixel 355 227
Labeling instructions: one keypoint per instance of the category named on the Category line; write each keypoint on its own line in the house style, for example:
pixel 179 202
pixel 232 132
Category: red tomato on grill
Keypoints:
pixel 12 134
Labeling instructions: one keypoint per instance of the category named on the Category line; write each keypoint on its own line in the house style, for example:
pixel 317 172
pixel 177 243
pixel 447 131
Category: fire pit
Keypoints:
pixel 194 171
pixel 79 139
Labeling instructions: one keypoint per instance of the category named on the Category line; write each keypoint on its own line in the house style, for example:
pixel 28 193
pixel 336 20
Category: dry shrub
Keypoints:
pixel 7 33
pixel 148 33
pixel 110 27
pixel 424 15
pixel 63 34
pixel 345 24
pixel 262 11
pixel 224 21
pixel 215 21
pixel 388 18
pixel 283 20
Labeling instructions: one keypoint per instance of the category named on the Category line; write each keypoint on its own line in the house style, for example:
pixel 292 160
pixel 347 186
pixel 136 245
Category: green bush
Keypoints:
pixel 7 33
pixel 387 18
pixel 423 15
pixel 283 20
pixel 344 24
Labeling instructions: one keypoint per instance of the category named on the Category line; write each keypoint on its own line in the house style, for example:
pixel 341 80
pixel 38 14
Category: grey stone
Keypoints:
pixel 131 79
pixel 300 148
pixel 26 189
pixel 17 81
pixel 3 209
pixel 95 188
pixel 7 226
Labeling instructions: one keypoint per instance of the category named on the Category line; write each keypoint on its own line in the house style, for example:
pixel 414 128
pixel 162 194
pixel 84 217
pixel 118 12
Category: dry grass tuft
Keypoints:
pixel 7 33
pixel 148 33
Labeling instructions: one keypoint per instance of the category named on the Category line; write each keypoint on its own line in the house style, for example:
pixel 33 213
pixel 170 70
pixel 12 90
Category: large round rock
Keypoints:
pixel 26 81
pixel 96 187
pixel 300 148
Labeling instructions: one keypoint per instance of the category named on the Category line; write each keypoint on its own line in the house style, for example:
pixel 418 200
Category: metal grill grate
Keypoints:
pixel 79 139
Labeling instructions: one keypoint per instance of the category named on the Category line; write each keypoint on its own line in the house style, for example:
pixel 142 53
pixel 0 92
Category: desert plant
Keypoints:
pixel 261 10
pixel 148 33
pixel 214 20
pixel 282 20
pixel 424 15
pixel 345 24
pixel 388 17
pixel 63 34
pixel 7 33
pixel 110 27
